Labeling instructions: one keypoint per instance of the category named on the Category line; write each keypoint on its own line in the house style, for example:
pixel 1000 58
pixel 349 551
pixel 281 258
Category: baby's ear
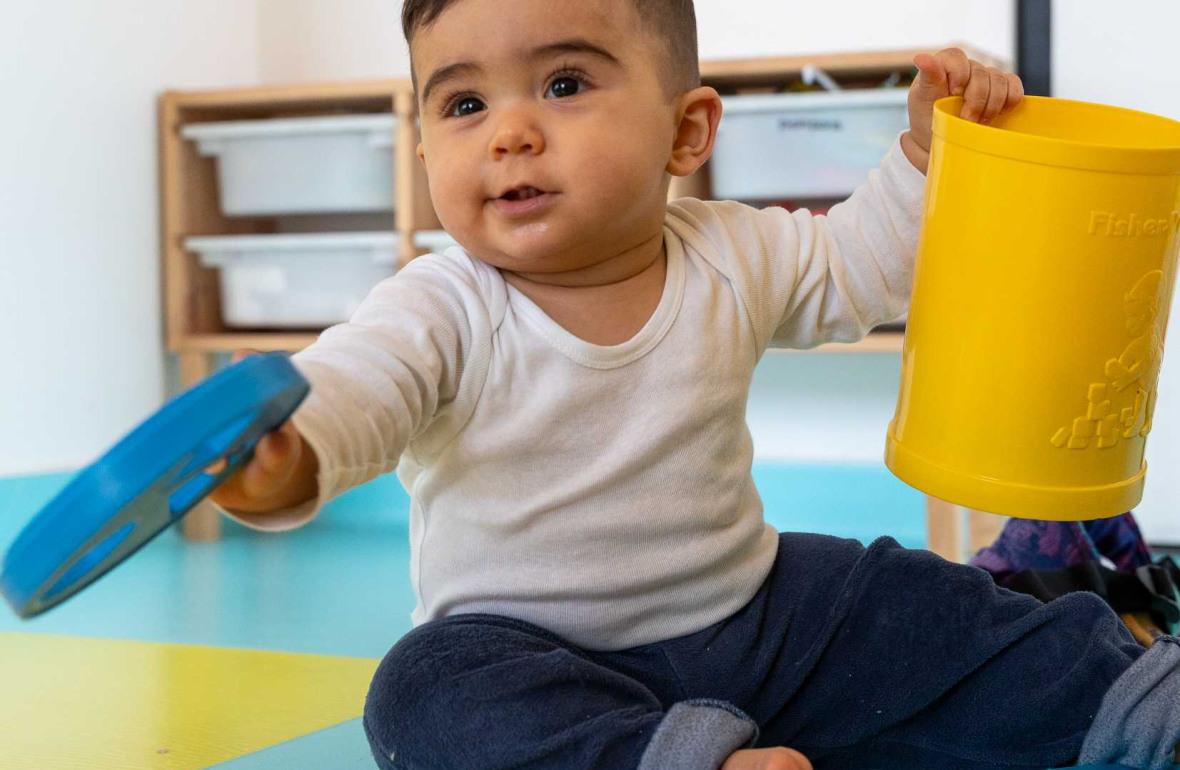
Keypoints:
pixel 421 154
pixel 700 112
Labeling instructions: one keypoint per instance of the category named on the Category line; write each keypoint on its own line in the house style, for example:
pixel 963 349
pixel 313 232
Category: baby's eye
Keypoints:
pixel 563 87
pixel 467 106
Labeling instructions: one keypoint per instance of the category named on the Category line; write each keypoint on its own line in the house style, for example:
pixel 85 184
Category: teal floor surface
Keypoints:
pixel 340 586
pixel 342 747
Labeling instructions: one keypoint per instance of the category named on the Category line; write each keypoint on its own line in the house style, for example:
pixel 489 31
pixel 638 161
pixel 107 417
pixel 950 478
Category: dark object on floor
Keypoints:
pixel 1148 595
pixel 1048 559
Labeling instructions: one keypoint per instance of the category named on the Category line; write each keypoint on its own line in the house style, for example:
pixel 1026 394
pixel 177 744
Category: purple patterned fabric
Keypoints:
pixel 1030 544
pixel 1120 540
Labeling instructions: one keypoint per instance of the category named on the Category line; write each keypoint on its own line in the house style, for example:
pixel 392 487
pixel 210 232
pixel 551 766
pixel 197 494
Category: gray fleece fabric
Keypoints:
pixel 698 735
pixel 1138 723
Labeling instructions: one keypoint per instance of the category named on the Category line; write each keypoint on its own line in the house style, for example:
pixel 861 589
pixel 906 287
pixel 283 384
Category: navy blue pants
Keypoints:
pixel 857 657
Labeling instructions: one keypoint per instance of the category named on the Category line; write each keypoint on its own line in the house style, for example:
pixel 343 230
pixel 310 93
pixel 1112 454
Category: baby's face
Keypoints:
pixel 546 130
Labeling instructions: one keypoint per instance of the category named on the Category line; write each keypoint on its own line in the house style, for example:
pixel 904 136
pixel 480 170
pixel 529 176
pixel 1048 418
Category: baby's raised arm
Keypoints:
pixel 807 280
pixel 810 279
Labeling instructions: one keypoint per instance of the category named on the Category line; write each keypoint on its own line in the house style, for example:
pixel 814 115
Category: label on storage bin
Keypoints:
pixel 810 124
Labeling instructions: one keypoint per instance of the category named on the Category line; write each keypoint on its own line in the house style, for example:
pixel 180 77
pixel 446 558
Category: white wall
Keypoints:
pixel 329 40
pixel 79 259
pixel 1132 65
pixel 740 28
pixel 344 39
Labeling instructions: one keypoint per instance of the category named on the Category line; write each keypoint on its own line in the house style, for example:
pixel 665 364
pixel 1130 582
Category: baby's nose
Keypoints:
pixel 517 136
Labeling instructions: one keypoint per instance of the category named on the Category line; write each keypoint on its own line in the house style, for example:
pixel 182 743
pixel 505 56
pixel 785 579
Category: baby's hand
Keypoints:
pixel 986 91
pixel 271 477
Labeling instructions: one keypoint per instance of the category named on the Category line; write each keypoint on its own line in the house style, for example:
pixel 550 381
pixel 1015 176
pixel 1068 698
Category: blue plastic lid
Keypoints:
pixel 148 481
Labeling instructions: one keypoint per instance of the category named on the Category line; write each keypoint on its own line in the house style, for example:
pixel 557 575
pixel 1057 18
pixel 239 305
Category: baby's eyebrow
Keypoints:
pixel 448 73
pixel 571 46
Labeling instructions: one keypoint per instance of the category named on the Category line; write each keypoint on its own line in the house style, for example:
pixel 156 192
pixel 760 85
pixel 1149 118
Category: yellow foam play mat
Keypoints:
pixel 73 703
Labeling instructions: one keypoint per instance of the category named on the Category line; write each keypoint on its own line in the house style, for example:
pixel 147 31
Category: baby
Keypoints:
pixel 564 396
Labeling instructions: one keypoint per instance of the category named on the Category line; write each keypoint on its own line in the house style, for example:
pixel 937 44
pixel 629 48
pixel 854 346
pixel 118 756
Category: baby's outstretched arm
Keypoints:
pixel 394 371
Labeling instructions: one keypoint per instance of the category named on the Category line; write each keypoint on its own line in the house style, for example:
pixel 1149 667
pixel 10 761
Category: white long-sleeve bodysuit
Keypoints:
pixel 603 493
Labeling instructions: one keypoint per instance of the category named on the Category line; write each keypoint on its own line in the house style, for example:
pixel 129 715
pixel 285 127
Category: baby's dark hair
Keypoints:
pixel 673 21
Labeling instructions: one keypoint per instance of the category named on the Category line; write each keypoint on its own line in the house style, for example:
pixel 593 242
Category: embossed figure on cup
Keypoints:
pixel 1114 409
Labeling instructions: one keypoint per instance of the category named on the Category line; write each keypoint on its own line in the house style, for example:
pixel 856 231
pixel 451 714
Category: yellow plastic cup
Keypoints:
pixel 1044 279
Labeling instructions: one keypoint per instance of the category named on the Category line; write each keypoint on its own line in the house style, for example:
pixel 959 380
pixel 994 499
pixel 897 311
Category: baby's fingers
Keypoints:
pixel 990 93
pixel 219 466
pixel 275 458
pixel 976 95
pixel 958 69
pixel 997 97
pixel 275 450
pixel 1015 91
pixel 272 450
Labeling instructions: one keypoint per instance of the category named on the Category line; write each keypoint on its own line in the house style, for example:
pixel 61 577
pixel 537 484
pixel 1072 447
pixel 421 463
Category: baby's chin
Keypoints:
pixel 529 248
pixel 532 264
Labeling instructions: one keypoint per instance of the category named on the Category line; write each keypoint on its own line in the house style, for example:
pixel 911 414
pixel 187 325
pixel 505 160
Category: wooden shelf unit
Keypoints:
pixel 189 201
pixel 734 74
pixel 189 206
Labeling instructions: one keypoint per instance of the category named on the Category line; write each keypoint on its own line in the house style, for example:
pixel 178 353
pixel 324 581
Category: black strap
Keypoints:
pixel 1150 588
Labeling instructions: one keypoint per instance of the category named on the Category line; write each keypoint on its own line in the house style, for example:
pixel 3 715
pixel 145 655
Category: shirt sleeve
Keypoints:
pixel 810 279
pixel 382 378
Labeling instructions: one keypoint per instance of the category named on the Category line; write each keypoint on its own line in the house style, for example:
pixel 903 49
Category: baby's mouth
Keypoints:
pixel 524 202
pixel 522 194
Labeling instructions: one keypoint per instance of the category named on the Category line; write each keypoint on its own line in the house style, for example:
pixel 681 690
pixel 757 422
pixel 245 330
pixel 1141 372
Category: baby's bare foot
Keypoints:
pixel 778 758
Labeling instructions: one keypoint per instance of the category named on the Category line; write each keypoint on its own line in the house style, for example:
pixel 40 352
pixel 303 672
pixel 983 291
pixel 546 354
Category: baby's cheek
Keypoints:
pixel 455 195
pixel 611 161
pixel 628 177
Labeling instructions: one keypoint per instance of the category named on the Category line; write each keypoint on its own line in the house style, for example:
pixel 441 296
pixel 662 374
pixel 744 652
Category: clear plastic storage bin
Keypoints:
pixel 301 165
pixel 808 145
pixel 296 281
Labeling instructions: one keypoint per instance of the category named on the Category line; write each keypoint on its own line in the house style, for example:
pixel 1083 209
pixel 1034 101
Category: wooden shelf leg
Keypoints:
pixel 406 152
pixel 983 529
pixel 944 529
pixel 203 523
